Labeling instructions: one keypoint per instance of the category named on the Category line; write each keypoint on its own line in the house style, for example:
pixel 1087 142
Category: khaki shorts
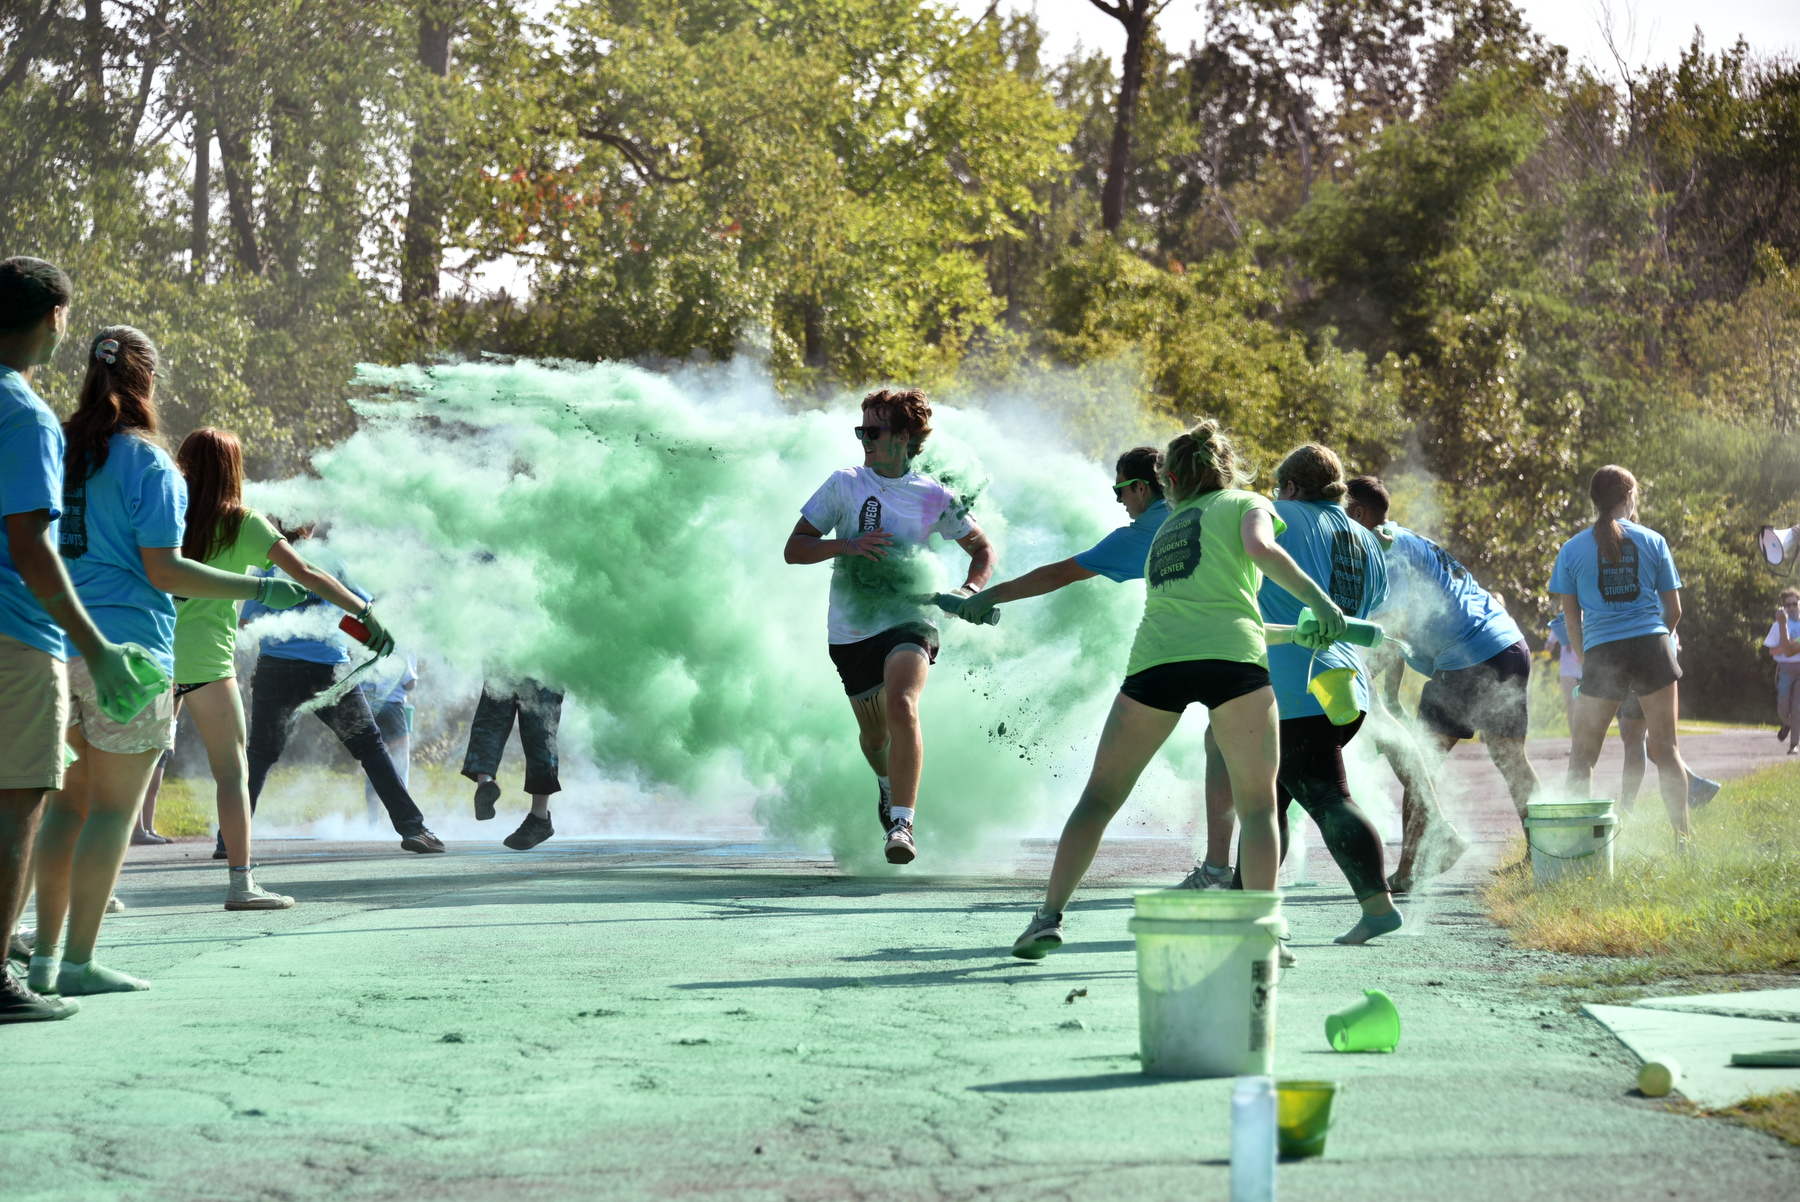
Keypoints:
pixel 152 730
pixel 34 709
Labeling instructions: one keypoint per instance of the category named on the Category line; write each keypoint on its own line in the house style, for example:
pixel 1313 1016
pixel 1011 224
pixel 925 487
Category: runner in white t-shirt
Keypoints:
pixel 1783 642
pixel 883 640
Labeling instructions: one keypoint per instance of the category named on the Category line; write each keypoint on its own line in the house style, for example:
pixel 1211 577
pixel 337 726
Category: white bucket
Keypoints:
pixel 1206 981
pixel 1570 838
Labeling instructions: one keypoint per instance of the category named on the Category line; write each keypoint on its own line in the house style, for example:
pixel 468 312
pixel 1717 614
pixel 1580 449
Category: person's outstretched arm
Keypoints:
pixel 283 556
pixel 1035 583
pixel 1258 533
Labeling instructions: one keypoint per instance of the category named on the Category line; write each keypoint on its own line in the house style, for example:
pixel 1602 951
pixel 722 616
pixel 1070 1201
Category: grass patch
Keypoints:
pixel 1730 905
pixel 185 806
pixel 1776 1114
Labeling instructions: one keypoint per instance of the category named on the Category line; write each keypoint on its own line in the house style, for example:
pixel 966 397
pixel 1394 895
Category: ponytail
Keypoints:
pixel 1203 460
pixel 1611 487
pixel 1316 473
pixel 116 395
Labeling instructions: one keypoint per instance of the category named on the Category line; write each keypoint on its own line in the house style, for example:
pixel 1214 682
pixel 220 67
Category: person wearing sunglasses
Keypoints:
pixel 881 640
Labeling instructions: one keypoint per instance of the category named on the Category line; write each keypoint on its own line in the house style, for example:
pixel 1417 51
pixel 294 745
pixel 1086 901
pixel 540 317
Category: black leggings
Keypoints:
pixel 1312 773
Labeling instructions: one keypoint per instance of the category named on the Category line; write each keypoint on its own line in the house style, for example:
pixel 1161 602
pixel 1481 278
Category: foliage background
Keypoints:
pixel 1410 230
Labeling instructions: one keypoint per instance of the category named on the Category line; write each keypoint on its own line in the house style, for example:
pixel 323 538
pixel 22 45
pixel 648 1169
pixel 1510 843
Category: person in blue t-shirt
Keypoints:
pixel 1346 561
pixel 1119 557
pixel 294 670
pixel 40 613
pixel 123 505
pixel 1621 598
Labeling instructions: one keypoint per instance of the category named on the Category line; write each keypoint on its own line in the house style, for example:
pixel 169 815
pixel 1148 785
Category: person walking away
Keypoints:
pixel 292 672
pixel 1783 642
pixel 39 608
pixel 881 640
pixel 124 508
pixel 539 711
pixel 1621 596
pixel 1119 557
pixel 1203 640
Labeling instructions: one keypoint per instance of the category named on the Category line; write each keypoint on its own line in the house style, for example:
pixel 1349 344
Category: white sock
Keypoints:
pixel 77 969
pixel 902 814
pixel 42 964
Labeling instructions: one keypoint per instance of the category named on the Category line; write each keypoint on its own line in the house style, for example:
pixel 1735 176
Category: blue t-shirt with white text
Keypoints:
pixel 1618 600
pixel 1346 561
pixel 332 648
pixel 1451 621
pixel 1121 555
pixel 31 472
pixel 137 499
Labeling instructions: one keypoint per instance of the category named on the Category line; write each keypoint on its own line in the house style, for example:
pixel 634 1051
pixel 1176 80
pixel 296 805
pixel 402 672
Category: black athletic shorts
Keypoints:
pixel 1490 697
pixel 1211 682
pixel 1640 665
pixel 863 665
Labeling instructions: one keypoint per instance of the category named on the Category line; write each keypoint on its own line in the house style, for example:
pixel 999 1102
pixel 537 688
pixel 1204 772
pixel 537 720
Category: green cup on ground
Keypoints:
pixel 1303 1116
pixel 1372 1025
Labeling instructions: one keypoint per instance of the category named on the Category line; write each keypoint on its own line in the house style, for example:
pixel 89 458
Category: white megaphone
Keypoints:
pixel 1777 545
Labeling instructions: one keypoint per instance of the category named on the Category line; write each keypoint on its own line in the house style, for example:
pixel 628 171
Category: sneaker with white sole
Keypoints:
pixel 246 894
pixel 1042 936
pixel 1205 876
pixel 900 847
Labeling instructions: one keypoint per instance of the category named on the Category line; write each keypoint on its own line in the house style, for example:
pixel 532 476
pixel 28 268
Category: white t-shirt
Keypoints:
pixel 1774 640
pixel 857 500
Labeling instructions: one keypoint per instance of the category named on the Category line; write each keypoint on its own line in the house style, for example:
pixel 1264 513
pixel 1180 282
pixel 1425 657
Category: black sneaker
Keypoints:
pixel 531 832
pixel 219 846
pixel 18 1004
pixel 486 794
pixel 1782 734
pixel 885 808
pixel 422 843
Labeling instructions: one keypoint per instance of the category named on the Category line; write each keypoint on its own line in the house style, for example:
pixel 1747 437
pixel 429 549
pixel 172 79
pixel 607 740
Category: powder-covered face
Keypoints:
pixel 887 452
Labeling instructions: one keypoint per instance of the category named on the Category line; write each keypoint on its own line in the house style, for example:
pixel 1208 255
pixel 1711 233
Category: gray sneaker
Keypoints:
pixel 1205 876
pixel 246 894
pixel 900 848
pixel 1042 936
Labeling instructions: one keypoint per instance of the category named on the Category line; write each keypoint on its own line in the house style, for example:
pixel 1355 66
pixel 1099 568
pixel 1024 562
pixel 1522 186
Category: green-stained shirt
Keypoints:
pixel 206 628
pixel 1201 599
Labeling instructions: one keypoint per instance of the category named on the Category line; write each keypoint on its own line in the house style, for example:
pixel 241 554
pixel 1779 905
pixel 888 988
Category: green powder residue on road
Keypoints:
pixel 621 535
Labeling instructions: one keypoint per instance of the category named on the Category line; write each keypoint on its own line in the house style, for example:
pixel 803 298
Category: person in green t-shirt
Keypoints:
pixel 1202 639
pixel 222 532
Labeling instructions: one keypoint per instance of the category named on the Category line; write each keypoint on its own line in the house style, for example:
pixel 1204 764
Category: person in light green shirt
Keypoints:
pixel 1202 639
pixel 222 532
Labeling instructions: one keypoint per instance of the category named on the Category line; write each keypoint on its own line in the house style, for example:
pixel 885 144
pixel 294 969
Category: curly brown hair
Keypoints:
pixel 903 410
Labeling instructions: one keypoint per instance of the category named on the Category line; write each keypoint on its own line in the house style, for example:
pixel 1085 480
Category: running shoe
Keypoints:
pixel 900 848
pixel 1701 791
pixel 486 794
pixel 422 843
pixel 19 1003
pixel 1042 936
pixel 141 837
pixel 885 807
pixel 114 906
pixel 1205 876
pixel 531 832
pixel 246 894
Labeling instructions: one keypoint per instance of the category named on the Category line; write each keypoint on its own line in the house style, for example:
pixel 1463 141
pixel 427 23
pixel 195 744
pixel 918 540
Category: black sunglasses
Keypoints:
pixel 872 433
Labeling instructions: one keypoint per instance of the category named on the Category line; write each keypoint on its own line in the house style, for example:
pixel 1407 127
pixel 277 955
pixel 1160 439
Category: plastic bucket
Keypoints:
pixel 1303 1116
pixel 1206 981
pixel 1570 838
pixel 1372 1025
pixel 152 680
pixel 1336 690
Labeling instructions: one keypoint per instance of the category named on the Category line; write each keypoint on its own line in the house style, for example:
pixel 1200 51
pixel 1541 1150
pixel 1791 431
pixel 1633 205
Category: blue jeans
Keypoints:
pixel 539 710
pixel 1787 699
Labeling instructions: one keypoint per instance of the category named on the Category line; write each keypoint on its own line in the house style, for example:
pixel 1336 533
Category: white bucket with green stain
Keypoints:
pixel 1206 981
pixel 1570 838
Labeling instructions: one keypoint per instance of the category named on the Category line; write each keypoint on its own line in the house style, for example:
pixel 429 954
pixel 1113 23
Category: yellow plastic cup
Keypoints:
pixel 1303 1116
pixel 1372 1025
pixel 1336 690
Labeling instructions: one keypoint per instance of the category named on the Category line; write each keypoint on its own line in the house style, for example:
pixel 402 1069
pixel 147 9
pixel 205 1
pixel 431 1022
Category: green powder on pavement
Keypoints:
pixel 620 534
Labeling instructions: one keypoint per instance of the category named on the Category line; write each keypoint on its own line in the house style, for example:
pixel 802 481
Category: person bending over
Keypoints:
pixel 882 641
pixel 539 710
pixel 1621 597
pixel 290 673
pixel 1203 640
pixel 124 511
pixel 1120 557
pixel 38 605
pixel 1783 642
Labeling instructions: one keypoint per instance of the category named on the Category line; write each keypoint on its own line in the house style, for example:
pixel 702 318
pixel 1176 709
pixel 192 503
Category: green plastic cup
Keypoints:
pixel 1372 1025
pixel 1303 1116
pixel 1336 690
pixel 151 681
